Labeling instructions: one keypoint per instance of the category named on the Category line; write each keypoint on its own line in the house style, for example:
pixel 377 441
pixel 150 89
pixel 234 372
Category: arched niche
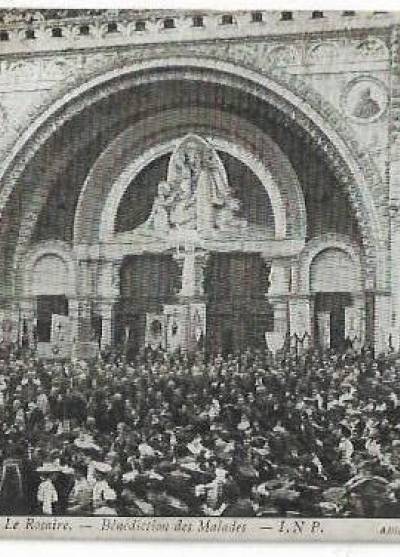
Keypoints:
pixel 331 275
pixel 50 276
pixel 334 270
pixel 47 283
pixel 47 268
pixel 329 250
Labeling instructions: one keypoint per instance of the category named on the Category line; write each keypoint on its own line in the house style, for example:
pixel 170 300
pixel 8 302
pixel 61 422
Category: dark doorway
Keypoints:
pixel 147 282
pixel 334 304
pixel 238 313
pixel 46 307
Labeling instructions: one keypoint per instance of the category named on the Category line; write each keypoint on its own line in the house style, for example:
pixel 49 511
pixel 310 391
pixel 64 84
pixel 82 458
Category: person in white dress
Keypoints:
pixel 47 495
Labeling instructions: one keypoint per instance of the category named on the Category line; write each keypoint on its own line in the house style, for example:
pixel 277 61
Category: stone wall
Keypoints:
pixel 311 66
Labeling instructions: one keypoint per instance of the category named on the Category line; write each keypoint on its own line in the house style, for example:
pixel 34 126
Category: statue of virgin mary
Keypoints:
pixel 205 197
pixel 196 194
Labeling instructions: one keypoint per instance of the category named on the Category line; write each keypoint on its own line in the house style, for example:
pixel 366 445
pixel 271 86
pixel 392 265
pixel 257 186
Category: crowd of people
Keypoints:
pixel 246 434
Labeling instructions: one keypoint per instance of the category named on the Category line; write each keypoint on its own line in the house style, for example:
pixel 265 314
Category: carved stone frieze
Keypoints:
pixel 346 50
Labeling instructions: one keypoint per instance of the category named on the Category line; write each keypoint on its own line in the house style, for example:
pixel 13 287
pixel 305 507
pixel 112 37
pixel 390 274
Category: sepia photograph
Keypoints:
pixel 200 274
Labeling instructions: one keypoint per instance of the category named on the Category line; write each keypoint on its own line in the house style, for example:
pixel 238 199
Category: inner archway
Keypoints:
pixel 339 307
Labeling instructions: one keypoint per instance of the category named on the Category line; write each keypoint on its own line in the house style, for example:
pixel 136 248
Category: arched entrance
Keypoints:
pixel 334 282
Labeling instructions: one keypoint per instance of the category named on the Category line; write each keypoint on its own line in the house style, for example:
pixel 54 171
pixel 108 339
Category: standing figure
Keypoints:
pixel 47 495
pixel 80 497
pixel 104 497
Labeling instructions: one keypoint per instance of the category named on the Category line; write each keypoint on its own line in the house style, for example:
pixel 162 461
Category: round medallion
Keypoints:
pixel 365 99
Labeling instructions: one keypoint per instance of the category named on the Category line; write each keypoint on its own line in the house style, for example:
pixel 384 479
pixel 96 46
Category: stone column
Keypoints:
pixel 85 346
pixel 73 312
pixel 394 188
pixel 192 264
pixel 355 319
pixel 382 316
pixel 300 315
pixel 27 317
pixel 301 305
pixel 15 317
pixel 107 323
pixel 109 290
pixel 278 293
pixel 394 322
pixel 200 267
pixel 188 285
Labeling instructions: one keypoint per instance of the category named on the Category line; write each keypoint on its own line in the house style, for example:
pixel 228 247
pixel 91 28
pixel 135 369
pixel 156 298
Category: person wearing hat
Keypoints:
pixel 103 496
pixel 133 499
pixel 368 496
pixel 80 496
pixel 47 495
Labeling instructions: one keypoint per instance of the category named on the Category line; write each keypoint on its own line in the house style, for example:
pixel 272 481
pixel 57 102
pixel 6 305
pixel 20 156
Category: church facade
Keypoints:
pixel 199 180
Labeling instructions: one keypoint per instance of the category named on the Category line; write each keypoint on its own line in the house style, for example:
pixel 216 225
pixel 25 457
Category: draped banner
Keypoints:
pixel 185 326
pixel 176 317
pixel 8 332
pixel 197 326
pixel 275 340
pixel 60 334
pixel 155 330
pixel 352 322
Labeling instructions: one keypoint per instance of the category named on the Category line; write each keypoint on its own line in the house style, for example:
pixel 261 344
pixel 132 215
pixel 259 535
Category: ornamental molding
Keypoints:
pixel 55 30
pixel 58 73
pixel 271 59
pixel 263 53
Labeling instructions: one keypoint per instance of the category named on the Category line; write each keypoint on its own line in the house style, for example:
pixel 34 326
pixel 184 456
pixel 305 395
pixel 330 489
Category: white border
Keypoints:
pixel 61 549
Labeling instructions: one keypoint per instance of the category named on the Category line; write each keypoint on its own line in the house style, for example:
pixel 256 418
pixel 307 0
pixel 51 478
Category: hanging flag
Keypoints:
pixel 197 325
pixel 60 338
pixel 155 330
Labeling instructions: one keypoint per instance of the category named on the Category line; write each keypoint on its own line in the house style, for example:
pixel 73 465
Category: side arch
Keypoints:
pixel 58 249
pixel 317 246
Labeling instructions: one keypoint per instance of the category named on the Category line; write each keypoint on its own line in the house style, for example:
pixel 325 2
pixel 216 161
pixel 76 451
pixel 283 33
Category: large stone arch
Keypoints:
pixel 353 170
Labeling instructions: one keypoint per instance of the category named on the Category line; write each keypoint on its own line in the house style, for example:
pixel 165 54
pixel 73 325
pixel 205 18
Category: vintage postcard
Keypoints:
pixel 200 274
